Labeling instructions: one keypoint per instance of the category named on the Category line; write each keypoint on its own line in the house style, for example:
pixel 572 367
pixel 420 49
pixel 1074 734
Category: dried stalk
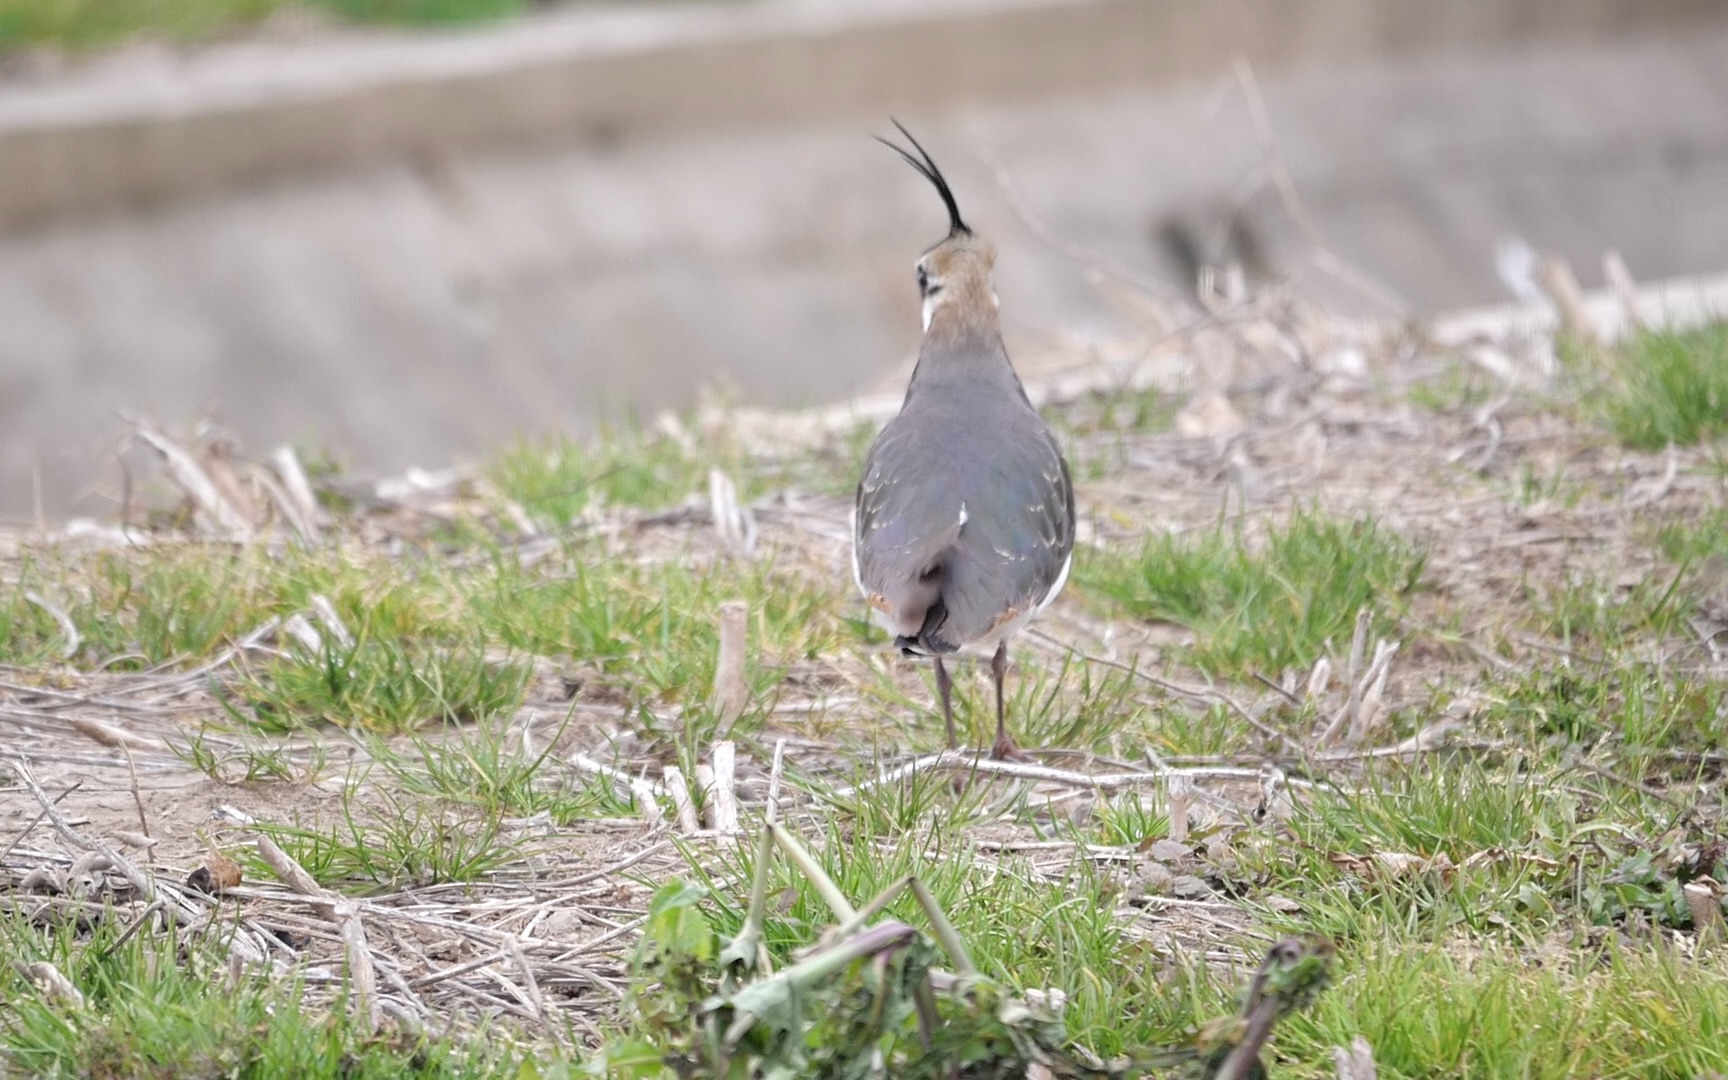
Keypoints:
pixel 195 481
pixel 113 735
pixel 731 692
pixel 683 807
pixel 1625 287
pixel 723 798
pixel 345 914
pixel 137 879
pixel 363 977
pixel 1179 789
pixel 299 504
pixel 1346 717
pixel 775 773
pixel 1557 280
pixel 969 762
pixel 734 523
pixel 646 803
pixel 68 628
pixel 1374 690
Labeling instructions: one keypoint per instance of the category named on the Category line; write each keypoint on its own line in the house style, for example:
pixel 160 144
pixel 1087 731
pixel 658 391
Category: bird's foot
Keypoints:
pixel 1005 750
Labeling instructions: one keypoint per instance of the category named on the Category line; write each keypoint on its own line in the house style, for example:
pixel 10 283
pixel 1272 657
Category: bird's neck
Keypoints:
pixel 967 310
pixel 963 347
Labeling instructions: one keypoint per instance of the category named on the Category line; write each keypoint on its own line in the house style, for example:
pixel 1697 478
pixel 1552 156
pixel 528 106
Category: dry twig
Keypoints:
pixel 346 915
pixel 191 477
pixel 731 691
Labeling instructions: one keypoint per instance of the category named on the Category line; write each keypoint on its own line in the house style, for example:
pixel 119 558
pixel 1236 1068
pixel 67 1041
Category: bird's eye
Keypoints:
pixel 923 281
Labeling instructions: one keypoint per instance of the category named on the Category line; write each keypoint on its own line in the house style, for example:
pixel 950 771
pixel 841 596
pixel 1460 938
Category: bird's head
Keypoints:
pixel 955 275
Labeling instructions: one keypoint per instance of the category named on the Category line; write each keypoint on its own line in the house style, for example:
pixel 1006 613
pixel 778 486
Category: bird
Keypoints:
pixel 963 521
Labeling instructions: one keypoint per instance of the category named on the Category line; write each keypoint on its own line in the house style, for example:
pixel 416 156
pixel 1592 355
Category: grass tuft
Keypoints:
pixel 1499 1011
pixel 382 684
pixel 1666 386
pixel 1585 608
pixel 475 767
pixel 1701 541
pixel 152 1008
pixel 556 480
pixel 1634 711
pixel 651 630
pixel 1276 604
pixel 1022 928
pixel 861 1002
pixel 401 843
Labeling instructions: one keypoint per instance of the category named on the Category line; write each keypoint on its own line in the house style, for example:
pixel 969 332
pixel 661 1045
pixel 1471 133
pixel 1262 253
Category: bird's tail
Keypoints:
pixel 929 640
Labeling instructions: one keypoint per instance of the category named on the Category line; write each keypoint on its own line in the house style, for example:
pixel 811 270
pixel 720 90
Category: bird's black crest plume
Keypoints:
pixel 930 172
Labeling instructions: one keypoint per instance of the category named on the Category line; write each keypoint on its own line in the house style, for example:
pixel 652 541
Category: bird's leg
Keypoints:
pixel 1003 749
pixel 945 690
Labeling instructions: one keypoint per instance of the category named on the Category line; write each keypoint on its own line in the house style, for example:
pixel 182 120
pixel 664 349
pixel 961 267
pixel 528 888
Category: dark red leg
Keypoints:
pixel 1003 749
pixel 945 689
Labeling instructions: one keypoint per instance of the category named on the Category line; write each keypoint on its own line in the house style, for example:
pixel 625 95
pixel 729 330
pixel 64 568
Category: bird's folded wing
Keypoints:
pixel 1014 546
pixel 996 561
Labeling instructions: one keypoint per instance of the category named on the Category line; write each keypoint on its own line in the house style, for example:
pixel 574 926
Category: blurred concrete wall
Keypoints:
pixel 412 249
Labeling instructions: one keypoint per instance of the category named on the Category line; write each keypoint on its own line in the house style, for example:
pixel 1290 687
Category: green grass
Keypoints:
pixel 1456 388
pixel 412 657
pixel 476 767
pixel 556 479
pixel 831 468
pixel 136 610
pixel 1511 906
pixel 86 23
pixel 652 630
pixel 1532 934
pixel 385 842
pixel 383 684
pixel 1531 488
pixel 1662 387
pixel 1026 929
pixel 1611 616
pixel 427 644
pixel 423 11
pixel 82 24
pixel 1069 704
pixel 152 1009
pixel 139 609
pixel 1697 541
pixel 1460 1008
pixel 1099 432
pixel 1278 602
pixel 1635 710
pixel 247 759
pixel 1131 820
pixel 1605 615
pixel 29 635
pixel 1564 835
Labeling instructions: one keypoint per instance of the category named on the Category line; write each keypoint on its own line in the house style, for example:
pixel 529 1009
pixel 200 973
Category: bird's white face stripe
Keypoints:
pixel 962 515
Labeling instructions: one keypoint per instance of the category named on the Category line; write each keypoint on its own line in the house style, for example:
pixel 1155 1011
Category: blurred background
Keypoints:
pixel 404 232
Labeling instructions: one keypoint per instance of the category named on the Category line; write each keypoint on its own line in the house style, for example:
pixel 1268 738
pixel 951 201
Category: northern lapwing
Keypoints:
pixel 963 526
